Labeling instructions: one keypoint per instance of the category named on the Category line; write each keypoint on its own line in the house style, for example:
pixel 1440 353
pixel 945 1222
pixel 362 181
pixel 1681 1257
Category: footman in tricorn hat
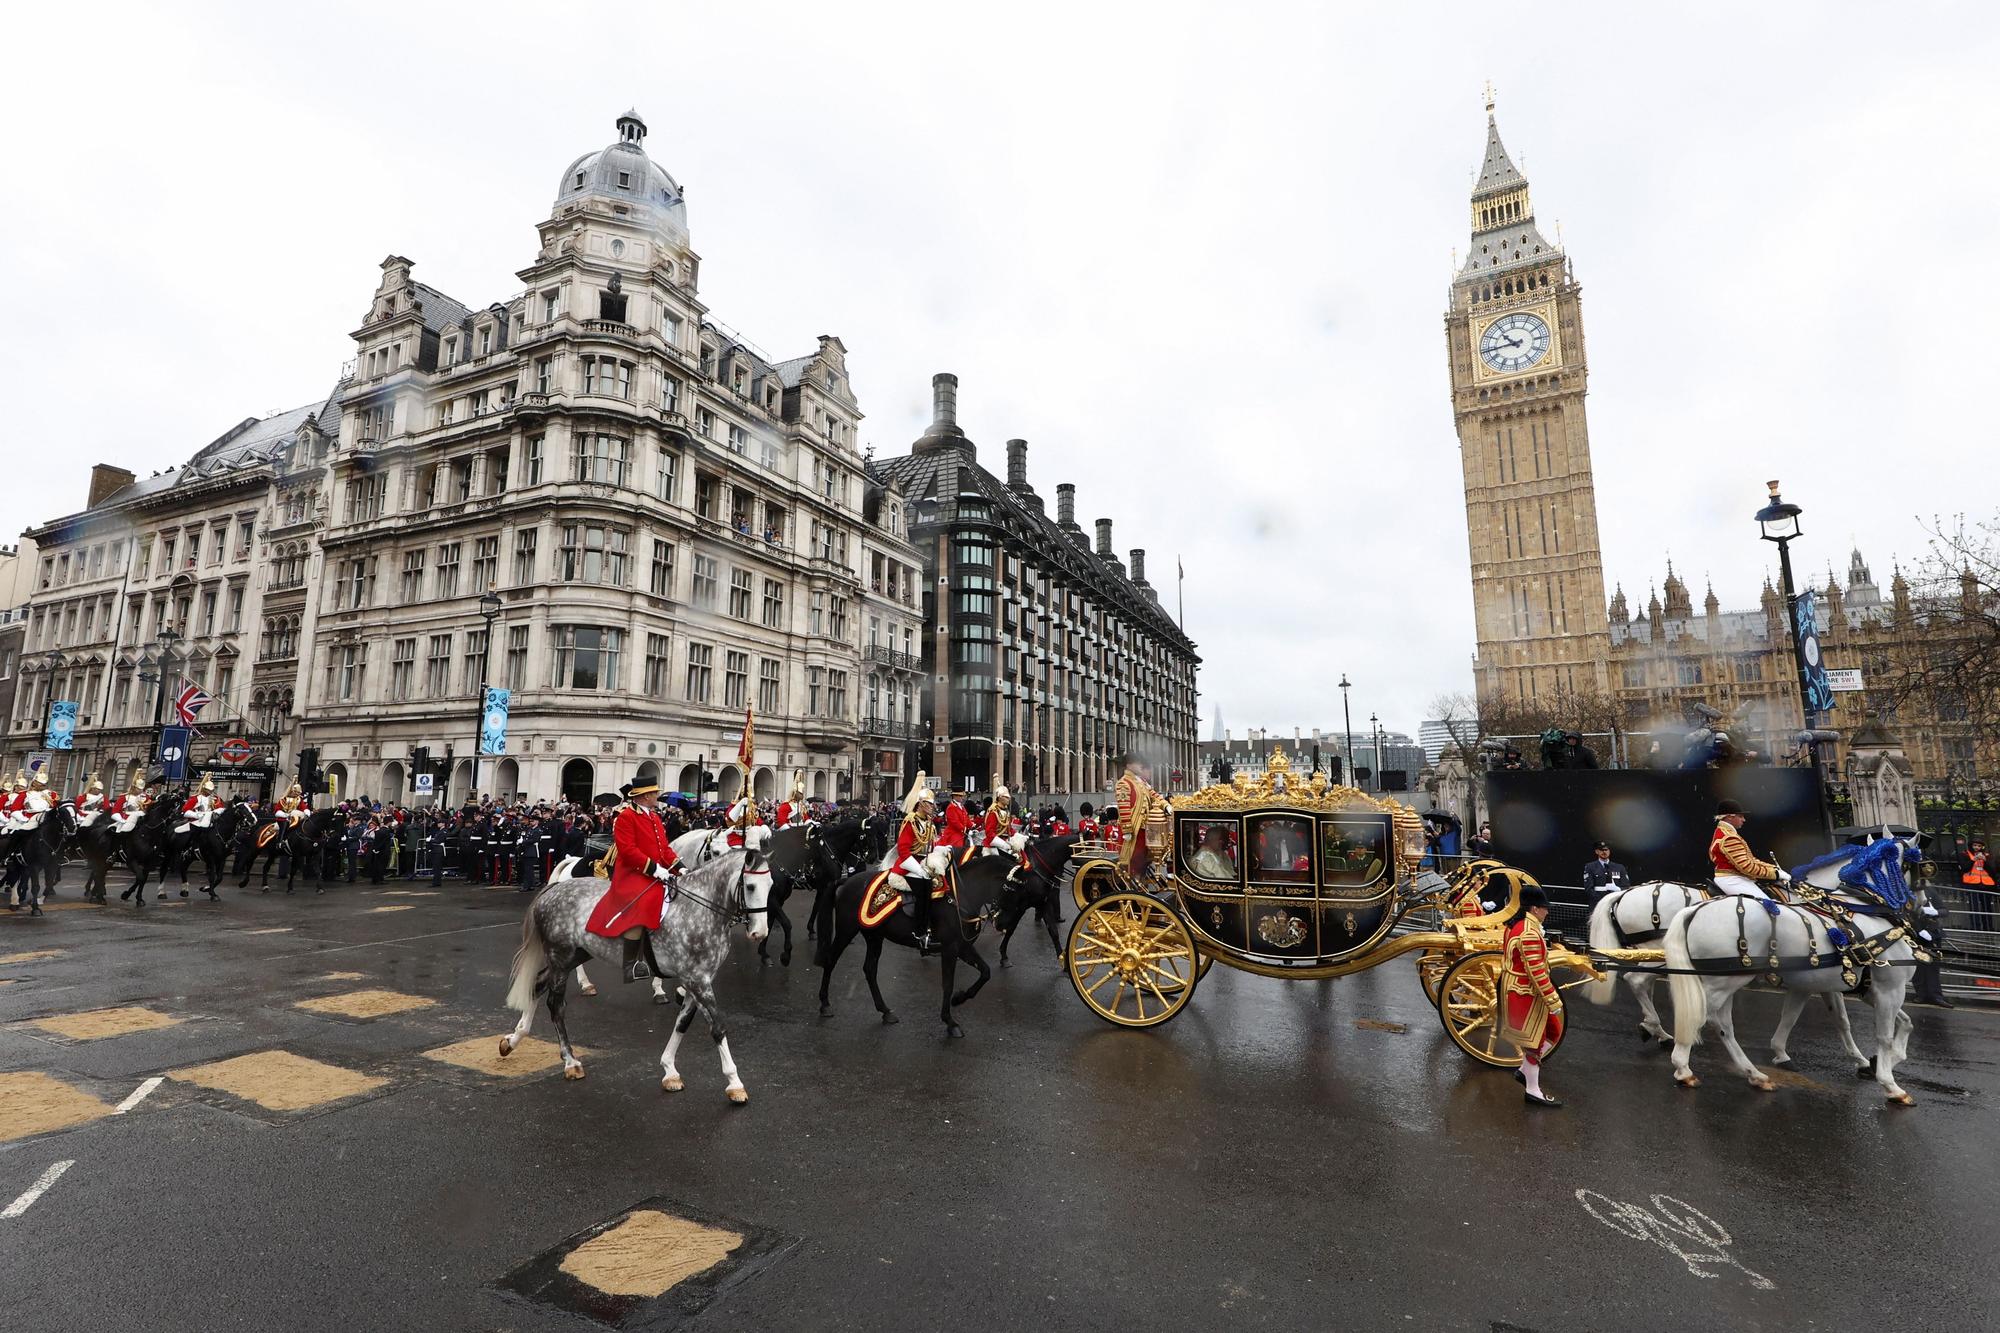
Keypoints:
pixel 1534 1007
pixel 643 863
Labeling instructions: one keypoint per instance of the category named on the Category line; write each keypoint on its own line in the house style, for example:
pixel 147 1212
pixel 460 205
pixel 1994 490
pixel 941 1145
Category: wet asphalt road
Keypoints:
pixel 1274 1158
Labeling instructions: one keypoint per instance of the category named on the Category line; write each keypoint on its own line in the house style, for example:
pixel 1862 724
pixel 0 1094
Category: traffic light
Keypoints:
pixel 309 782
pixel 420 760
pixel 1333 765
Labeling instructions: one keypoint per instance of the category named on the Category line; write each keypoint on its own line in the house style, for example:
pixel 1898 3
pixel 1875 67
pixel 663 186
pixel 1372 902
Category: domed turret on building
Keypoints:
pixel 622 175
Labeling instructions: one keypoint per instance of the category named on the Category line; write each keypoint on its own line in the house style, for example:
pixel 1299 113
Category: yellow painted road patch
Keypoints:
pixel 648 1253
pixel 37 1104
pixel 366 1003
pixel 279 1080
pixel 30 956
pixel 97 1024
pixel 482 1056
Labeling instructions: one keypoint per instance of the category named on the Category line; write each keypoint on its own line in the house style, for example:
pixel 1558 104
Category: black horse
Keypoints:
pixel 972 897
pixel 1038 888
pixel 301 845
pixel 40 850
pixel 806 858
pixel 144 849
pixel 210 844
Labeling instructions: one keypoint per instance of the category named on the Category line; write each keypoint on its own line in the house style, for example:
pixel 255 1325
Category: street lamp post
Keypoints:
pixel 1778 521
pixel 1375 748
pixel 166 640
pixel 1347 718
pixel 489 607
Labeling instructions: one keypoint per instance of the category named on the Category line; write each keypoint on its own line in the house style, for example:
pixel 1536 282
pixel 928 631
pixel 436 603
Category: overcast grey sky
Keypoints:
pixel 1197 255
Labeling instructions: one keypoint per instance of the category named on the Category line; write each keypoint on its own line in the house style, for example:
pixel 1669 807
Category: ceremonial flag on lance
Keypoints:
pixel 748 749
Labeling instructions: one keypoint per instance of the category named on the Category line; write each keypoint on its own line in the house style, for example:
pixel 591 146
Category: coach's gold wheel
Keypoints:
pixel 1132 960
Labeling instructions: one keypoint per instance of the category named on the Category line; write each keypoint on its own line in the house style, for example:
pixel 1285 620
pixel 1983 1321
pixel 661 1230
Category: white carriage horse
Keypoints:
pixel 1639 916
pixel 1716 948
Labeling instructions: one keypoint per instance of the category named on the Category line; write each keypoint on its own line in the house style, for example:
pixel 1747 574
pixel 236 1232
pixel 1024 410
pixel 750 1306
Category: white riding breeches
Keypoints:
pixel 1739 884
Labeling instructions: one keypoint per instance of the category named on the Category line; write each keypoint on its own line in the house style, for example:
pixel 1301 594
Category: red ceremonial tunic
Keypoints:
pixel 1534 1005
pixel 957 824
pixel 636 897
pixel 782 817
pixel 995 830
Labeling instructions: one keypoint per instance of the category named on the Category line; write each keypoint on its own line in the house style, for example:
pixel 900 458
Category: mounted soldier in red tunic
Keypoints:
pixel 792 810
pixel 642 865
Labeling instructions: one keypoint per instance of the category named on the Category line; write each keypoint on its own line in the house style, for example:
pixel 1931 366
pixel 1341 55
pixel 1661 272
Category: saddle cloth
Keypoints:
pixel 266 834
pixel 881 899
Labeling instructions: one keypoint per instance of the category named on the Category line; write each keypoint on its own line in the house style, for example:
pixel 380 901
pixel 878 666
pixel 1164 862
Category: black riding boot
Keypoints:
pixel 634 968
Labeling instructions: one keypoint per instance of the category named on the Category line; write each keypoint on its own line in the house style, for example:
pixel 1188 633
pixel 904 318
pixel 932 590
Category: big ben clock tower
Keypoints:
pixel 1514 341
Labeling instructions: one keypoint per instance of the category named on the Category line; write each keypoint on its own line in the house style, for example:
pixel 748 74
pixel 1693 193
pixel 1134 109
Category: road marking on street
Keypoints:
pixel 1675 1223
pixel 394 907
pixel 270 930
pixel 37 1190
pixel 343 976
pixel 139 1094
pixel 1378 1025
pixel 405 939
pixel 97 1024
pixel 411 893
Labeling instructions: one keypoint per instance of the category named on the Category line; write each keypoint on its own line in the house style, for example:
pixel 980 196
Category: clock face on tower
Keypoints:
pixel 1514 342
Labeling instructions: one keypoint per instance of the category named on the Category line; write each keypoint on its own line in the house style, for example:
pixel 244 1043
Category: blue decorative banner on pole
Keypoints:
pixel 1813 684
pixel 174 753
pixel 61 731
pixel 493 721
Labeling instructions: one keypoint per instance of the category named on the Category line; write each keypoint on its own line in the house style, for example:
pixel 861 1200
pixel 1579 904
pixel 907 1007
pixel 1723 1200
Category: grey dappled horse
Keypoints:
pixel 704 905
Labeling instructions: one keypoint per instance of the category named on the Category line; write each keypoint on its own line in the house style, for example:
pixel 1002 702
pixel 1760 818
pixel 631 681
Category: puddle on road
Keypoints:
pixel 97 1024
pixel 279 1080
pixel 33 1104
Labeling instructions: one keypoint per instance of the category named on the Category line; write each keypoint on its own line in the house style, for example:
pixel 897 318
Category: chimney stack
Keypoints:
pixel 1138 565
pixel 105 479
pixel 1017 465
pixel 1104 538
pixel 1066 504
pixel 944 400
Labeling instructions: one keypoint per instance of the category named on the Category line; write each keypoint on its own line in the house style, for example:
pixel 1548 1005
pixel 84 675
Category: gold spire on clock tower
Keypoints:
pixel 1514 345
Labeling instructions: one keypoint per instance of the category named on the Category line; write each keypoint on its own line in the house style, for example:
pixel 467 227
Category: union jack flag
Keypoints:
pixel 190 702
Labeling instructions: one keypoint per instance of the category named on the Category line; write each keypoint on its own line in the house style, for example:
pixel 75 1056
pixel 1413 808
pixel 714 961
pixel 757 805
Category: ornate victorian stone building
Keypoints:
pixel 590 492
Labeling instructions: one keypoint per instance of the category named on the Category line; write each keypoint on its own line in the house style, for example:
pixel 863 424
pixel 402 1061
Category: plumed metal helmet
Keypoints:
pixel 96 787
pixel 920 792
pixel 138 782
pixel 295 789
pixel 1001 796
pixel 798 784
pixel 41 778
pixel 208 784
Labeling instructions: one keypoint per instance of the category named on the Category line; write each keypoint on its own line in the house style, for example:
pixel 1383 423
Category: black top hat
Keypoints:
pixel 640 786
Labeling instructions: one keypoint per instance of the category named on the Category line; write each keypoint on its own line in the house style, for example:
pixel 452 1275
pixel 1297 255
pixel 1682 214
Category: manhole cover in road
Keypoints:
pixel 97 1024
pixel 280 1081
pixel 33 1104
pixel 648 1268
pixel 366 1003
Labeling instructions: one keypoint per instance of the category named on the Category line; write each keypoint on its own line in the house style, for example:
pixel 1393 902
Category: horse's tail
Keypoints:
pixel 1690 997
pixel 1603 935
pixel 824 900
pixel 529 960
